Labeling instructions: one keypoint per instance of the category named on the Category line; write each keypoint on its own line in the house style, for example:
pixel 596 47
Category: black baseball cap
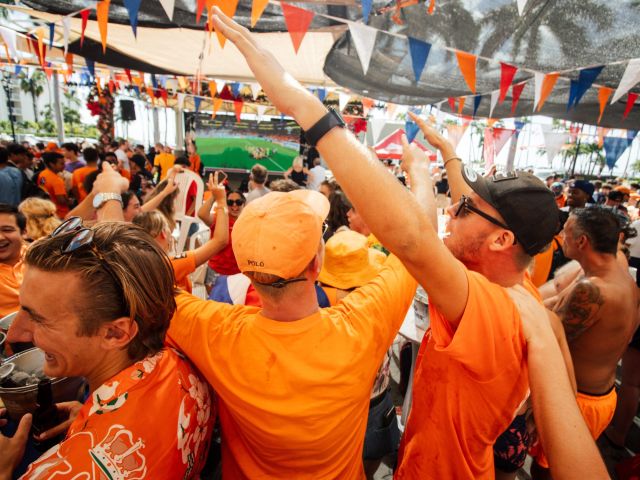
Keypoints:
pixel 525 203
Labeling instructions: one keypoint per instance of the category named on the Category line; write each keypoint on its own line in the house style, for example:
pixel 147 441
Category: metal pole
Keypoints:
pixel 6 84
pixel 179 129
pixel 57 108
pixel 156 126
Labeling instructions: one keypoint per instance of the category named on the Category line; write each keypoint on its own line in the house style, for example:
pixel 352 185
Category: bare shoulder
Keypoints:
pixel 581 307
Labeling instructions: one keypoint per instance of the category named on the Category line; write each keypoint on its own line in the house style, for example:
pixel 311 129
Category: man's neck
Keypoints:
pixel 597 264
pixel 502 273
pixel 296 304
pixel 110 366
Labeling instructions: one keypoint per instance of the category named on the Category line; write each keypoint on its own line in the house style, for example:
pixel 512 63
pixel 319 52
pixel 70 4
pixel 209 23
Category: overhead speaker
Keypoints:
pixel 127 110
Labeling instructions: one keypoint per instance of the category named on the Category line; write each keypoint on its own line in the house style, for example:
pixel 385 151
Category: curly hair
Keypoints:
pixel 41 217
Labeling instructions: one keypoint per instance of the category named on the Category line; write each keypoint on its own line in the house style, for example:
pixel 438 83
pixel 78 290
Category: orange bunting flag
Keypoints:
pixel 297 21
pixel 41 47
pixel 102 14
pixel 217 103
pixel 257 9
pixel 85 17
pixel 603 96
pixel 367 104
pixel 237 106
pixel 467 64
pixel 199 8
pixel 229 8
pixel 49 72
pixel 547 86
pixel 99 87
pixel 432 7
pixel 69 59
pixel 461 101
pixel 112 86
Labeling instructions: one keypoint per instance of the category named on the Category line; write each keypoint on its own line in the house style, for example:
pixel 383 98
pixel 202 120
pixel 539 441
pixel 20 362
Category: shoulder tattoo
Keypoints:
pixel 580 310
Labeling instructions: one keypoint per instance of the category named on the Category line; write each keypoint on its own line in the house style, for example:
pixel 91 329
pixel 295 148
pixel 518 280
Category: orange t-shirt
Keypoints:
pixel 10 281
pixel 294 396
pixel 184 265
pixel 125 173
pixel 195 162
pixel 467 387
pixel 542 262
pixel 54 186
pixel 77 180
pixel 561 201
pixel 152 420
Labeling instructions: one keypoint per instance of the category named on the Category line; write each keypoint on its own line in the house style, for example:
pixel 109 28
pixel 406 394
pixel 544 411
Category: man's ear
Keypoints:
pixel 501 240
pixel 118 333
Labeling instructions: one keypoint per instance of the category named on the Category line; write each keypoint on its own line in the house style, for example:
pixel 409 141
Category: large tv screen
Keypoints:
pixel 225 143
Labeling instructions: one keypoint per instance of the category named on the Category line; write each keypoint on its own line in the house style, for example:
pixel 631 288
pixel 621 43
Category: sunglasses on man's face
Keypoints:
pixel 237 203
pixel 465 205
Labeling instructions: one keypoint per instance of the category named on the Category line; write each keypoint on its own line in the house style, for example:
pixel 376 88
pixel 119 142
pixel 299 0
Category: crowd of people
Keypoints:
pixel 531 307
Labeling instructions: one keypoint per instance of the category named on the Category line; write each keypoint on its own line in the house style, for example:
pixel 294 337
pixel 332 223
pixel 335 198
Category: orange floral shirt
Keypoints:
pixel 154 419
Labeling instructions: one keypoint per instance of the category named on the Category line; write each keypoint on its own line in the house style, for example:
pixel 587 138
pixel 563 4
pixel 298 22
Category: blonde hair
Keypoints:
pixel 41 217
pixel 297 162
pixel 152 222
pixel 167 207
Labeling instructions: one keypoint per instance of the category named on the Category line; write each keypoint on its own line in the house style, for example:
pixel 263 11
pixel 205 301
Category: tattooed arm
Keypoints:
pixel 579 310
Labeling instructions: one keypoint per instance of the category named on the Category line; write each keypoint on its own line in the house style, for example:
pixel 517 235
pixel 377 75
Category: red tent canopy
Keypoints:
pixel 391 147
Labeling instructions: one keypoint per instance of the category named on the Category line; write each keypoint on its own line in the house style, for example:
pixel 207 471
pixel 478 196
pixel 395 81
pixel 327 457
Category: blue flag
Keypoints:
pixel 614 147
pixel 196 102
pixel 411 129
pixel 52 30
pixel 573 92
pixel 322 94
pixel 419 51
pixel 133 6
pixel 366 10
pixel 235 89
pixel 585 80
pixel 476 103
pixel 91 65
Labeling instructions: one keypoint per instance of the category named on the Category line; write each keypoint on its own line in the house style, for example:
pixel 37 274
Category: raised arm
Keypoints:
pixel 220 237
pixel 416 164
pixel 155 202
pixel 388 209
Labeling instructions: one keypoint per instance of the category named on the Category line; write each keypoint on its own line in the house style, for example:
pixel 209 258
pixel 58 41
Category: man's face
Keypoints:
pixel 69 154
pixel 48 318
pixel 11 239
pixel 569 243
pixel 356 223
pixel 58 165
pixel 467 232
pixel 577 198
pixel 21 160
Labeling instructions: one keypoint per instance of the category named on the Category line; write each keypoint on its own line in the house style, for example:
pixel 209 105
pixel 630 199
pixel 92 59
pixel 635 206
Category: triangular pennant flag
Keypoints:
pixel 630 77
pixel 69 59
pixel 366 10
pixel 494 141
pixel 455 133
pixel 547 86
pixel 102 14
pixel 48 71
pixel 52 31
pixel 537 90
pixel 128 72
pixel 255 90
pixel 199 8
pixel 165 97
pixel 154 81
pixel 461 102
pixel 553 142
pixel 261 109
pixel 631 99
pixel 217 103
pixel 322 94
pixel 112 86
pixel 133 7
pixel 603 95
pixel 235 89
pixel 297 21
pixel 18 70
pixel 521 5
pixel 257 7
pixel 9 37
pixel 419 51
pixel 181 97
pixel 221 86
pixel 91 66
pixel 391 108
pixel 495 95
pixel 41 46
pixel 85 16
pixel 467 64
pixel 196 102
pixel 452 103
pixel 516 91
pixel 476 103
pixel 614 147
pixel 411 129
pixel 237 106
pixel 507 72
pixel 343 99
pixel 367 104
pixel 377 124
pixel 585 79
pixel 432 7
pixel 137 90
pixel 168 6
pixel 364 39
pixel 213 88
pixel 573 92
pixel 229 8
pixel 66 25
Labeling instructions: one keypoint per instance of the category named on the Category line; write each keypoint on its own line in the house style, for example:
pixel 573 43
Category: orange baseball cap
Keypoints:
pixel 279 233
pixel 349 262
pixel 623 189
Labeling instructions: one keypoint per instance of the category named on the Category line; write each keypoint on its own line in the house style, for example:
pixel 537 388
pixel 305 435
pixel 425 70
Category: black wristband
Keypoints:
pixel 331 120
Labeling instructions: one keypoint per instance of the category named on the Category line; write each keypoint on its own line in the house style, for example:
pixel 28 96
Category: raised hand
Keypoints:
pixel 216 187
pixel 13 448
pixel 110 181
pixel 68 409
pixel 431 135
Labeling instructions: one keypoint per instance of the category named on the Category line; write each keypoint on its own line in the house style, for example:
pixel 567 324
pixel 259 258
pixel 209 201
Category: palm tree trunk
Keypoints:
pixel 35 107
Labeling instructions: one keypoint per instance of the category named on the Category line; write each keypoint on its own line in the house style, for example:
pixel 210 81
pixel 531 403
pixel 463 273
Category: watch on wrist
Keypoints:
pixel 100 199
pixel 331 120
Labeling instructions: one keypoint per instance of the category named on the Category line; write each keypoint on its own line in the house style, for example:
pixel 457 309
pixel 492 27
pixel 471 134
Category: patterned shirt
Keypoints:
pixel 152 420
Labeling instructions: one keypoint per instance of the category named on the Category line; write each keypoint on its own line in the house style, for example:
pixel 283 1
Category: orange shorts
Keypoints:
pixel 597 411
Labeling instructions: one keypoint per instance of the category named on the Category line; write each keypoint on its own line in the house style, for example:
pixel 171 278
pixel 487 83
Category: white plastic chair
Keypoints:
pixel 184 179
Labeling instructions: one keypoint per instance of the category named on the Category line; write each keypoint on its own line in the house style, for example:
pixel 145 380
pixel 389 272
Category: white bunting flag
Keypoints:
pixel 66 21
pixel 255 90
pixel 553 143
pixel 343 99
pixel 9 37
pixel 494 101
pixel 364 39
pixel 629 79
pixel 168 7
pixel 220 85
pixel 261 109
pixel 538 79
pixel 181 97
pixel 521 5
pixel 377 124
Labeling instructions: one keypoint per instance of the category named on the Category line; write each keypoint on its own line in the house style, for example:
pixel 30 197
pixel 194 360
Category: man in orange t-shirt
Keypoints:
pixel 12 247
pixel 50 182
pixel 293 380
pixel 77 180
